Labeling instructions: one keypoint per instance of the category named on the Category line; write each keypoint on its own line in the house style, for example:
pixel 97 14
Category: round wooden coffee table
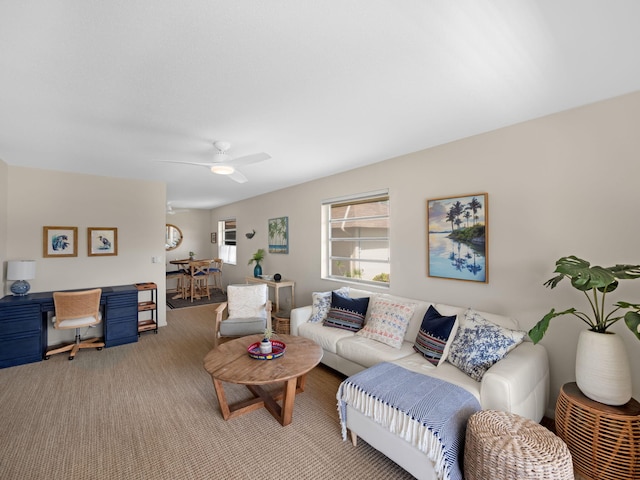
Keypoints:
pixel 231 363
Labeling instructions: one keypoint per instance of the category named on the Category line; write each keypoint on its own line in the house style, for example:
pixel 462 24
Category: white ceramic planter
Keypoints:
pixel 602 368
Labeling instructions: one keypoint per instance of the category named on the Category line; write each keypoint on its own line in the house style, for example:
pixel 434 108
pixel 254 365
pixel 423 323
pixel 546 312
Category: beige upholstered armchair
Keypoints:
pixel 247 311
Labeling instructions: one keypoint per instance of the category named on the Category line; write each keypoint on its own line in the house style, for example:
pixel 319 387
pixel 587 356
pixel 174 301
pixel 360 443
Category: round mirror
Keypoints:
pixel 173 237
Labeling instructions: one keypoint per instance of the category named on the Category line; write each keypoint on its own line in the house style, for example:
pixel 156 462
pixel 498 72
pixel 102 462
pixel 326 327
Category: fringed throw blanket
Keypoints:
pixel 429 413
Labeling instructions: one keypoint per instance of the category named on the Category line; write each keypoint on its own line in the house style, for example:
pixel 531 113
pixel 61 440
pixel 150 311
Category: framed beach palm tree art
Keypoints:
pixel 457 238
pixel 279 235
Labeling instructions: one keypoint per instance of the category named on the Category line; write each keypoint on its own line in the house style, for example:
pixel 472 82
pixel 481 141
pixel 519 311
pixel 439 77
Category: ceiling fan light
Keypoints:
pixel 222 169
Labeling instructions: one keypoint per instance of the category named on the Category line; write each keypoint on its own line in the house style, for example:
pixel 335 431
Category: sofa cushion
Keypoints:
pixel 388 321
pixel 446 371
pixel 321 303
pixel 367 352
pixel 346 313
pixel 435 336
pixel 479 344
pixel 327 338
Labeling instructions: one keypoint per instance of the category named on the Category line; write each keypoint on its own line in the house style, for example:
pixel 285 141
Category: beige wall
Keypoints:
pixel 39 197
pixel 4 185
pixel 560 185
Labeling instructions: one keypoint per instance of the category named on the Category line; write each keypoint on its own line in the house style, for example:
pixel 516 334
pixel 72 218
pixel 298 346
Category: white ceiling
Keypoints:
pixel 113 87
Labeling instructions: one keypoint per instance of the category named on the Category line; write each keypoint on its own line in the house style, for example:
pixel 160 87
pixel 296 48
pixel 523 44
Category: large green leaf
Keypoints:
pixel 632 319
pixel 540 328
pixel 583 276
pixel 625 272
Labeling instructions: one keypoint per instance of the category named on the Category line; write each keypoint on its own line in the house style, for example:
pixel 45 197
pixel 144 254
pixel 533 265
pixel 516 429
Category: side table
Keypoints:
pixel 604 440
pixel 276 287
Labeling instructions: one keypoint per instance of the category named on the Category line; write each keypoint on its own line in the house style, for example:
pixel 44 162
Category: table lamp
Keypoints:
pixel 21 271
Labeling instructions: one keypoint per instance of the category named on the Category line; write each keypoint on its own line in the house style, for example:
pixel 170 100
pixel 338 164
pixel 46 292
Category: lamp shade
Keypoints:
pixel 21 270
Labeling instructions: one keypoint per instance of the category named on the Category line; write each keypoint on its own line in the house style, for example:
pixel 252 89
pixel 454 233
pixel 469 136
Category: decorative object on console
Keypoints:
pixel 321 303
pixel 59 242
pixel 436 336
pixel 21 271
pixel 600 380
pixel 192 255
pixel 277 277
pixel 257 258
pixel 388 321
pixel 479 344
pixel 458 225
pixel 279 235
pixel 346 313
pixel 102 241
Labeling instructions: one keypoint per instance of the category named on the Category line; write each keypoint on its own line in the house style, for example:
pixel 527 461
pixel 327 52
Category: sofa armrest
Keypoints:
pixel 299 316
pixel 519 383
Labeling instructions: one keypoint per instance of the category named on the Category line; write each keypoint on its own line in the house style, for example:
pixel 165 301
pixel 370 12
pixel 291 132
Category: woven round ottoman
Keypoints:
pixel 501 445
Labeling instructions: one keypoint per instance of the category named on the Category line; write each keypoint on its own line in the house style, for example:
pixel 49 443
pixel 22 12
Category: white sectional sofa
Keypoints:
pixel 518 383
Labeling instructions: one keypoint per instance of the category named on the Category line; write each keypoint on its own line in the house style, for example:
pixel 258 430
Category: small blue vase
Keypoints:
pixel 257 270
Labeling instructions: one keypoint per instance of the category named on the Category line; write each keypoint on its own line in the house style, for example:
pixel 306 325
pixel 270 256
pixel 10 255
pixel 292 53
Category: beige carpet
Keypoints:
pixel 148 411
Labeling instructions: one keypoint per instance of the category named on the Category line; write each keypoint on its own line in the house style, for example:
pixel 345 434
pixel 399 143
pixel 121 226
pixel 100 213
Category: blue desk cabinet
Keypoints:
pixel 121 318
pixel 21 339
pixel 24 323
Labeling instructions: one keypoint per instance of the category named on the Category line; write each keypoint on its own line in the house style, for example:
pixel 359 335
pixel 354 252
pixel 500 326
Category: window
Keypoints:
pixel 227 236
pixel 356 238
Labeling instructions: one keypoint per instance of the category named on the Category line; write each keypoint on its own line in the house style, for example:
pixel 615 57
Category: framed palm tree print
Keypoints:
pixel 457 238
pixel 279 235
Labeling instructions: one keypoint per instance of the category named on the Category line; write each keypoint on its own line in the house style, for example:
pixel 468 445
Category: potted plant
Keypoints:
pixel 257 258
pixel 192 255
pixel 602 366
pixel 265 345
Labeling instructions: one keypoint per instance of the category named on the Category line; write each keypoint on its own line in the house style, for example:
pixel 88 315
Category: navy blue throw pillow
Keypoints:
pixel 346 313
pixel 435 336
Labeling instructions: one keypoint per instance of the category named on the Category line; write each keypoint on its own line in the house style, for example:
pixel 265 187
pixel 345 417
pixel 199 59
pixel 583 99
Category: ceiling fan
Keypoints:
pixel 172 211
pixel 224 164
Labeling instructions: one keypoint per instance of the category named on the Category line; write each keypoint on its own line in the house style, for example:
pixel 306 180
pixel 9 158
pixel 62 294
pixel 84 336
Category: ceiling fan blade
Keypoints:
pixel 237 176
pixel 249 159
pixel 200 164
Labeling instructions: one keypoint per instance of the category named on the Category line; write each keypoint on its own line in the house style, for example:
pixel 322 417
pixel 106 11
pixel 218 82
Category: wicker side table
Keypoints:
pixel 604 440
pixel 282 322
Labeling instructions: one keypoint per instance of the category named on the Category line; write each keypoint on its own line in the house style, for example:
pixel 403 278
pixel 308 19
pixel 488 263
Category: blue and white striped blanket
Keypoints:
pixel 429 413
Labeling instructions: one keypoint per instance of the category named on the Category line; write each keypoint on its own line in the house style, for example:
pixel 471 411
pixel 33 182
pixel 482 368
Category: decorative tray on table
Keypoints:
pixel 277 351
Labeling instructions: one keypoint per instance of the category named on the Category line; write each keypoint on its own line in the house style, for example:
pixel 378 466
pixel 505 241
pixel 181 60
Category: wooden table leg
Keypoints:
pixel 222 399
pixel 288 400
pixel 263 399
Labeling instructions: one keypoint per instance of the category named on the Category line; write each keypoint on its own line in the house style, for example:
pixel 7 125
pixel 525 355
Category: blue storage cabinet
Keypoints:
pixel 24 323
pixel 121 318
pixel 21 339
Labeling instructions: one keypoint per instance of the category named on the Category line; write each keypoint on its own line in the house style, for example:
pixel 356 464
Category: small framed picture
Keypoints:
pixel 103 241
pixel 214 237
pixel 279 235
pixel 59 241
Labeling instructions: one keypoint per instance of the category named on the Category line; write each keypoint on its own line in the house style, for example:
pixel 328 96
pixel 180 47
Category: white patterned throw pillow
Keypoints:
pixel 388 321
pixel 322 303
pixel 479 344
pixel 247 301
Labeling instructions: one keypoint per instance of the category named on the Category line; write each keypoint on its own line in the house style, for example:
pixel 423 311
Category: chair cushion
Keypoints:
pixel 247 301
pixel 77 322
pixel 239 327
